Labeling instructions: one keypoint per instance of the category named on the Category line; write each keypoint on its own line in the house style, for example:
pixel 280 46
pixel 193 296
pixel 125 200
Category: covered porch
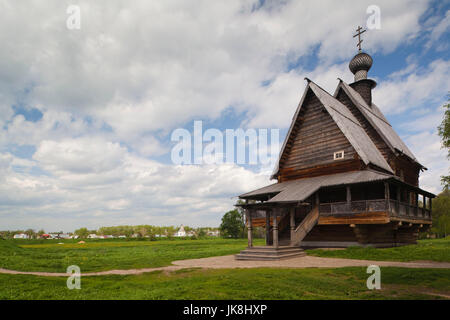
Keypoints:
pixel 362 212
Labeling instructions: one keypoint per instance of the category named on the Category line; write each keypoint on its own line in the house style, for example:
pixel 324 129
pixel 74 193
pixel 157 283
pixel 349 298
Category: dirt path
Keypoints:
pixel 229 262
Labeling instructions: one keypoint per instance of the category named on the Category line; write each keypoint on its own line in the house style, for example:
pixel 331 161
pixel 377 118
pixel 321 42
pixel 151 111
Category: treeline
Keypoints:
pixel 32 234
pixel 139 231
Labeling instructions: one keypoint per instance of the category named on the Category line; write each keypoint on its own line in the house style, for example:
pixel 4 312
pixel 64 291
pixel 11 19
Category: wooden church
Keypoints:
pixel 345 177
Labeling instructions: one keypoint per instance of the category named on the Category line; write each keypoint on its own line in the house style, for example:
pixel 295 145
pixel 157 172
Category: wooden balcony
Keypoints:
pixel 400 209
pixel 393 207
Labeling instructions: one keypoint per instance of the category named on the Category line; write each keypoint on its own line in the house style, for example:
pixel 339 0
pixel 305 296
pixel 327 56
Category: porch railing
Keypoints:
pixel 353 206
pixel 401 209
pixel 395 208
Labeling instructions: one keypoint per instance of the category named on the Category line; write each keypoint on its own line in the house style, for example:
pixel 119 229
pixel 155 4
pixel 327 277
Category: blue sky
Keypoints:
pixel 86 115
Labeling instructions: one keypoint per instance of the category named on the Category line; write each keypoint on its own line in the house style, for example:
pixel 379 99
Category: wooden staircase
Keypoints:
pixel 305 226
pixel 270 253
pixel 289 248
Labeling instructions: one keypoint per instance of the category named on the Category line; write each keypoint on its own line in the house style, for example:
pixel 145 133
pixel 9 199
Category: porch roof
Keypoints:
pixel 299 190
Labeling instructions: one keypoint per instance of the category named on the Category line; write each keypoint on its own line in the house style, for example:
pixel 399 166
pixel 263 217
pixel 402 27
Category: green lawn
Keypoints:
pixel 108 255
pixel 432 250
pixel 261 283
pixel 99 255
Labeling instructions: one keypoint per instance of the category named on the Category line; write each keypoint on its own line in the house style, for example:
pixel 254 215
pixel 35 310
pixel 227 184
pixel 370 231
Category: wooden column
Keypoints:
pixel 429 212
pixel 399 191
pixel 416 203
pixel 349 199
pixel 249 228
pixel 267 227
pixel 387 196
pixel 408 202
pixel 275 227
pixel 424 205
pixel 292 216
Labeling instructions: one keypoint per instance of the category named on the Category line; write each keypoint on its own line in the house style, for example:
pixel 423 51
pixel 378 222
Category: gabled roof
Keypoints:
pixel 347 123
pixel 377 120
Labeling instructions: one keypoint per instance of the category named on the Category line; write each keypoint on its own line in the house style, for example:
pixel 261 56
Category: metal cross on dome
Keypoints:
pixel 359 33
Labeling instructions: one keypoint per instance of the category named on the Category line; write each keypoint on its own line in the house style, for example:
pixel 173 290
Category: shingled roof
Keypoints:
pixel 301 189
pixel 347 123
pixel 377 120
pixel 298 190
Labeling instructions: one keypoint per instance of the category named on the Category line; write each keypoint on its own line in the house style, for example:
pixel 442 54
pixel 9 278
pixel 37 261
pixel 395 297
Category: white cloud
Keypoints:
pixel 438 30
pixel 158 65
pixel 83 155
pixel 427 148
pixel 414 89
pixel 93 181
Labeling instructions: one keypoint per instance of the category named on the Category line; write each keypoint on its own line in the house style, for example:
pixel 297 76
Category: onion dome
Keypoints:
pixel 360 65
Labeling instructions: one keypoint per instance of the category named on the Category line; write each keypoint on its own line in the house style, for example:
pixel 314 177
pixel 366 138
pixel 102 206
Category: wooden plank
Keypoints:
pixel 381 217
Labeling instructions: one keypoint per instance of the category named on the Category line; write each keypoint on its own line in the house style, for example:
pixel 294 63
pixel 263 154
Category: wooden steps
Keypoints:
pixel 306 226
pixel 270 253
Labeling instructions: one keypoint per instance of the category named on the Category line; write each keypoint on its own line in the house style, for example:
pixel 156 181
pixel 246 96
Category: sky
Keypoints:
pixel 86 114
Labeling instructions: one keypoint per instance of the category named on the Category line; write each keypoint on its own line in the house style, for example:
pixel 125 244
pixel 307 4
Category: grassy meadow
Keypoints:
pixel 425 250
pixel 258 283
pixel 100 255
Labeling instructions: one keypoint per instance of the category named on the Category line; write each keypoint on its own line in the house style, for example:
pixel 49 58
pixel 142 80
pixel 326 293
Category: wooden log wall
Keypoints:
pixel 390 234
pixel 331 233
pixel 311 146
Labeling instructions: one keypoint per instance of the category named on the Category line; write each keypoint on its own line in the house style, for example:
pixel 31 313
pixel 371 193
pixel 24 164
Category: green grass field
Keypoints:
pixel 108 255
pixel 100 255
pixel 431 250
pixel 261 283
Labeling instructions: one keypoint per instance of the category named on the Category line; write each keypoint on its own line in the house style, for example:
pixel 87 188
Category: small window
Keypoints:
pixel 339 155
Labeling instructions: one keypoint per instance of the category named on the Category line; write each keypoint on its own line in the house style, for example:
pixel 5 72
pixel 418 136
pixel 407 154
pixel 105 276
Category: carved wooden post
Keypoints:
pixel 267 227
pixel 275 228
pixel 249 228
pixel 398 199
pixel 292 213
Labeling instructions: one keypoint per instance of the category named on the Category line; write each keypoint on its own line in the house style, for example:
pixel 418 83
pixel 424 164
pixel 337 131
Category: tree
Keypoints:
pixel 82 233
pixel 441 214
pixel 232 224
pixel 30 233
pixel 444 225
pixel 242 213
pixel 444 133
pixel 201 233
